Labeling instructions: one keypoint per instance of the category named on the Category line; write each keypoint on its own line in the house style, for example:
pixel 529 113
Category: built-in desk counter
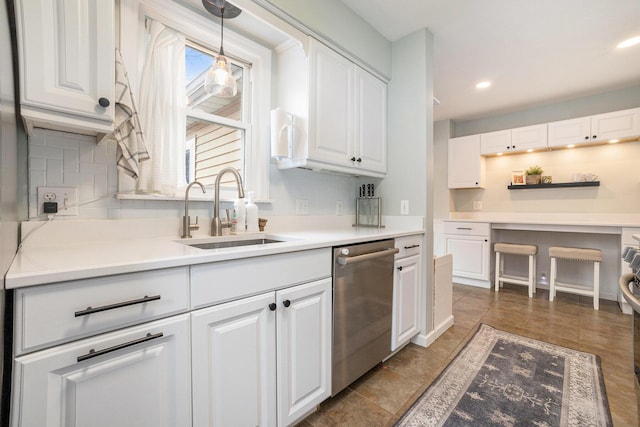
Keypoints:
pixel 607 232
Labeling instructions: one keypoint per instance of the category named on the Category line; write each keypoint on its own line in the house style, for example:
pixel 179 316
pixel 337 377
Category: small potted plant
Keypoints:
pixel 534 174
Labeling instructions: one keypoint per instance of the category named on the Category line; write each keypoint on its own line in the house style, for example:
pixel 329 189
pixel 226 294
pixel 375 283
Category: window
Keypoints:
pixel 217 127
pixel 219 132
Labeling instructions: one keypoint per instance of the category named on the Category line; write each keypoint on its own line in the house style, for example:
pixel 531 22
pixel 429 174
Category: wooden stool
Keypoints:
pixel 516 249
pixel 575 254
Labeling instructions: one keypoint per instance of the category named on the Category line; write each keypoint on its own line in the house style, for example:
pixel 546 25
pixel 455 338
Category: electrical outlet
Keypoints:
pixel 302 207
pixel 65 197
pixel 477 205
pixel 404 207
pixel 339 207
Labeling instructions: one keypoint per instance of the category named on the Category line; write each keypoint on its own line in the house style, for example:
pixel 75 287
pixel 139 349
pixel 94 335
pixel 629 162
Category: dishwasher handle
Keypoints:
pixel 364 257
pixel 623 283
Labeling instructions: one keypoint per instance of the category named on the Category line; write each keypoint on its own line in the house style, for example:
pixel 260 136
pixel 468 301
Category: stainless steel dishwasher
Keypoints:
pixel 362 303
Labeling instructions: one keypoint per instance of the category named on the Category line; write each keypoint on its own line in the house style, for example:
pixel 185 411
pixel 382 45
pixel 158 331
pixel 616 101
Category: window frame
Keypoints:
pixel 204 31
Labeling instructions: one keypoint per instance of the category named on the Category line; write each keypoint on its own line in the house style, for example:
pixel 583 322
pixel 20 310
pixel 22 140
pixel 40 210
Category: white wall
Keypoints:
pixel 614 164
pixel 410 142
pixel 617 192
pixel 340 25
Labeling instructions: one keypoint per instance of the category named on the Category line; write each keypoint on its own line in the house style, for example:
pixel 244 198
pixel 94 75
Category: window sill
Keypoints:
pixel 193 197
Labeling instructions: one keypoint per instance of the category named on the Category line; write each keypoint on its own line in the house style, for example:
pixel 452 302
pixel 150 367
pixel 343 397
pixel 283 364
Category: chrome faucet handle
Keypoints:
pixel 194 226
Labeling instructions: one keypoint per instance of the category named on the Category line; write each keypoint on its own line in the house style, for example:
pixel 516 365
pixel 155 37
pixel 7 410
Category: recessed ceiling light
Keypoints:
pixel 499 154
pixel 483 85
pixel 613 141
pixel 530 150
pixel 629 42
pixel 571 145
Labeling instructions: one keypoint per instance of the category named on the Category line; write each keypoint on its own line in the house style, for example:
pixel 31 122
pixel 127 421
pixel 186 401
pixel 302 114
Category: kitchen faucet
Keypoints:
pixel 216 224
pixel 186 219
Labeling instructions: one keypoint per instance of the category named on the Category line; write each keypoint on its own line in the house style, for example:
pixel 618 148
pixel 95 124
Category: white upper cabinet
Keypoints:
pixel 601 127
pixel 466 165
pixel 529 138
pixel 514 140
pixel 66 60
pixel 570 132
pixel 619 124
pixel 495 142
pixel 331 81
pixel 340 111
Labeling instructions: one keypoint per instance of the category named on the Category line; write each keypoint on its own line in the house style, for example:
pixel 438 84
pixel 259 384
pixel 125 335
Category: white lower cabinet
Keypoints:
pixel 406 301
pixel 264 360
pixel 138 376
pixel 470 246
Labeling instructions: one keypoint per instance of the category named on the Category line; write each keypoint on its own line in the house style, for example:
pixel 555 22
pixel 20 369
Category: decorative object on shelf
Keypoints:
pixel 534 174
pixel 220 81
pixel 546 179
pixel 590 177
pixel 517 178
pixel 579 177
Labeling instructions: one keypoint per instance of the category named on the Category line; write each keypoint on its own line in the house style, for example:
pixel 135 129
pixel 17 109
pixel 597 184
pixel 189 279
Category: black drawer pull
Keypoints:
pixel 464 228
pixel 94 353
pixel 412 246
pixel 91 310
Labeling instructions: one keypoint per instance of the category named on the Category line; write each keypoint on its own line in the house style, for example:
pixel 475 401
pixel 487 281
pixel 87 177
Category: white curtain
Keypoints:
pixel 162 110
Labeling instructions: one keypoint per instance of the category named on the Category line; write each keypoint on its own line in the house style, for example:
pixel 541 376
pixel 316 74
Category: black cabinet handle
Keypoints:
pixel 353 159
pixel 273 306
pixel 93 353
pixel 417 246
pixel 91 310
pixel 359 160
pixel 104 102
pixel 513 146
pixel 586 138
pixel 400 268
pixel 286 303
pixel 594 136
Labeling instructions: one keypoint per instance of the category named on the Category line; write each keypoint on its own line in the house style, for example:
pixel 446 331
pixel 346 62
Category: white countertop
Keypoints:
pixel 550 219
pixel 46 260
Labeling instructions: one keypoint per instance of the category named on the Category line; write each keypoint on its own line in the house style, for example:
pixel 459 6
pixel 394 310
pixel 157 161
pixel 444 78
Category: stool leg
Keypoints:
pixel 596 285
pixel 552 282
pixel 531 274
pixel 497 279
pixel 535 270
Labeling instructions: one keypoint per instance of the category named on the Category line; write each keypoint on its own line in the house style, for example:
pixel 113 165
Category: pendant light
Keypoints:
pixel 219 80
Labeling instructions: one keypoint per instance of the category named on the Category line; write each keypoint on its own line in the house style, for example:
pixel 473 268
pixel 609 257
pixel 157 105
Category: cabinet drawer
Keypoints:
pixel 57 313
pixel 467 228
pixel 408 245
pixel 225 281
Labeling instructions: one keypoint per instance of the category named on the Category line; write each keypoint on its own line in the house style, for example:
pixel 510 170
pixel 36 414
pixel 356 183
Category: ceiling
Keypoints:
pixel 534 52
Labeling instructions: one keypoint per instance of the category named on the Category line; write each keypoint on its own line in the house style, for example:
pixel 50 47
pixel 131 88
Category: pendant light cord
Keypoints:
pixel 222 28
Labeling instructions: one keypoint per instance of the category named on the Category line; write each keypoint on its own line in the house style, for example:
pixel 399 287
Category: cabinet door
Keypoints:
pixel 569 132
pixel 331 100
pixel 304 349
pixel 470 255
pixel 495 142
pixel 371 126
pixel 139 376
pixel 619 124
pixel 234 363
pixel 466 165
pixel 66 51
pixel 406 301
pixel 529 138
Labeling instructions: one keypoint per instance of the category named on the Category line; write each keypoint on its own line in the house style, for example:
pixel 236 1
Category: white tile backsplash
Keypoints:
pixel 60 159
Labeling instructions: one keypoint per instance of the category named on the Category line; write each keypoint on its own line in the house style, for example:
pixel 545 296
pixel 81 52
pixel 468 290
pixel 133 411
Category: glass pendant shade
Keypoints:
pixel 220 81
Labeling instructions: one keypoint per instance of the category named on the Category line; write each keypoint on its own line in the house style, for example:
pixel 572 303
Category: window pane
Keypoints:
pixel 217 147
pixel 197 65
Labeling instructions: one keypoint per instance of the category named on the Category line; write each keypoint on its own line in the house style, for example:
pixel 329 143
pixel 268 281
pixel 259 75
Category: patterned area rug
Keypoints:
pixel 502 379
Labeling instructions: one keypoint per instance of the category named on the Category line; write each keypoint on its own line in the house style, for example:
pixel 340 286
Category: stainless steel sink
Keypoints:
pixel 233 243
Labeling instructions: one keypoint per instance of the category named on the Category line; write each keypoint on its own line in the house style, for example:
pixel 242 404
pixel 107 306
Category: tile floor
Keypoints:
pixel 381 396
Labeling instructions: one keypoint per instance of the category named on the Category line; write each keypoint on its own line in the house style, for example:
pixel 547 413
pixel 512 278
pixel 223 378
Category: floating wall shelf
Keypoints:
pixel 557 185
